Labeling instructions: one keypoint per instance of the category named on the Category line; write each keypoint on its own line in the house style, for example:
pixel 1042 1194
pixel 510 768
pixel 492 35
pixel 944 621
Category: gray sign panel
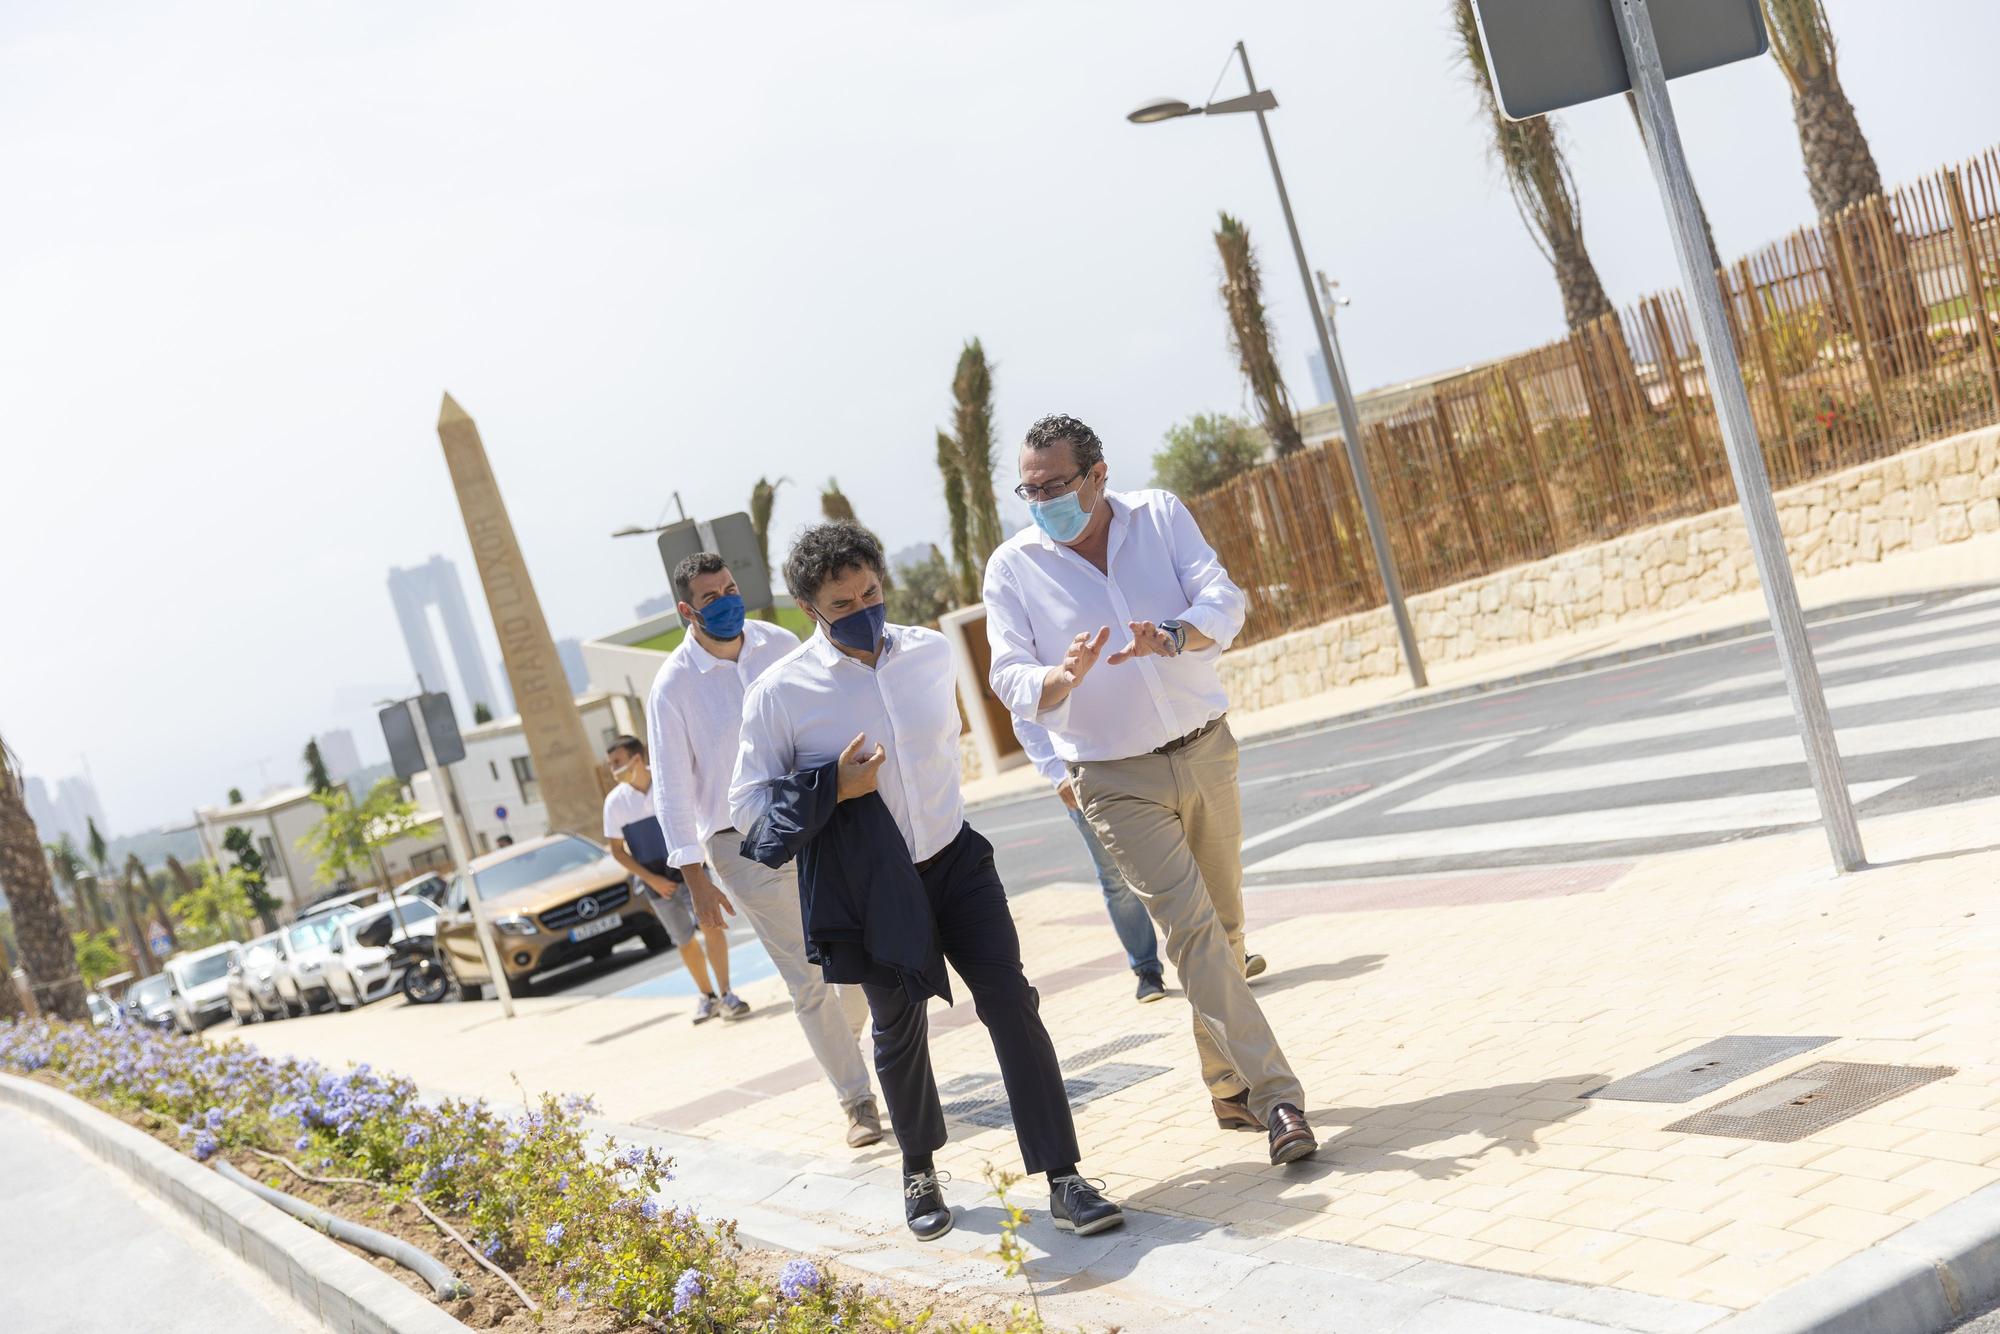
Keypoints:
pixel 735 541
pixel 404 751
pixel 1548 54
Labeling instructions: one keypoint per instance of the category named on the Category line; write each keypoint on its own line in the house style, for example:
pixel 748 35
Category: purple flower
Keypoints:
pixel 205 1146
pixel 302 1143
pixel 554 1236
pixel 212 1118
pixel 491 1248
pixel 649 1210
pixel 797 1278
pixel 686 1288
pixel 416 1135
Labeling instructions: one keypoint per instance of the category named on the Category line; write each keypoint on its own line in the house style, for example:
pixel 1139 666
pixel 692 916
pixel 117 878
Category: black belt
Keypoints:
pixel 1183 742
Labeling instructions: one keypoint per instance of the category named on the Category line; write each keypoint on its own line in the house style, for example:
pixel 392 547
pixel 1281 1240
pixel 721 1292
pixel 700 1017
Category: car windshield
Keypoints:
pixel 149 992
pixel 307 935
pixel 195 972
pixel 551 859
pixel 412 913
pixel 259 954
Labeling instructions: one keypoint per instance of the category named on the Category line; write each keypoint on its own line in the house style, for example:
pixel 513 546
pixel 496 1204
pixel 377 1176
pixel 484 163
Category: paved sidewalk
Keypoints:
pixel 71 1223
pixel 1445 1027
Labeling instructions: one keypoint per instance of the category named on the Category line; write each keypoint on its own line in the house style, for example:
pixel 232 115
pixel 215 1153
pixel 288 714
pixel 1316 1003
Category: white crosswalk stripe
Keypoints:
pixel 1660 819
pixel 1909 685
pixel 1874 739
pixel 1986 599
pixel 1844 659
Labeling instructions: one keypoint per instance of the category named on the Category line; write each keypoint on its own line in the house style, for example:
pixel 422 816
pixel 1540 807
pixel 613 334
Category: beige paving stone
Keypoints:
pixel 1857 1227
pixel 1674 1224
pixel 1879 1197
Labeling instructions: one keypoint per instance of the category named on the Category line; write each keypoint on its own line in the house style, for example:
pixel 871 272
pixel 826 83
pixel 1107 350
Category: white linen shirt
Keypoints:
pixel 803 712
pixel 694 713
pixel 1040 595
pixel 1041 751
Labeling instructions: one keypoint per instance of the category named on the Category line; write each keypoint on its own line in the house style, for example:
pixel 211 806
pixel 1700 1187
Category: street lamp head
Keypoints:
pixel 1161 108
pixel 630 530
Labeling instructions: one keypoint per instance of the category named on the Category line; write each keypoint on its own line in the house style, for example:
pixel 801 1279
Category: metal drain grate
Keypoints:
pixel 1816 1097
pixel 960 1085
pixel 994 1113
pixel 1104 1051
pixel 1706 1068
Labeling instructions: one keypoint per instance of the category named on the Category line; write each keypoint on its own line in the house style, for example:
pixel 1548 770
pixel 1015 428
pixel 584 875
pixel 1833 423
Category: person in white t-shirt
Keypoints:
pixel 633 831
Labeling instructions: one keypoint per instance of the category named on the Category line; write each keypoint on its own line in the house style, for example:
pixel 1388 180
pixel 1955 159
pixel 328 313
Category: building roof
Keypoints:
pixel 512 722
pixel 267 804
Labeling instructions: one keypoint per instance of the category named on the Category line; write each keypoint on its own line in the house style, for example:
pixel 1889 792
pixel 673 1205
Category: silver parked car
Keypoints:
pixel 198 983
pixel 309 950
pixel 358 973
pixel 253 981
pixel 149 1002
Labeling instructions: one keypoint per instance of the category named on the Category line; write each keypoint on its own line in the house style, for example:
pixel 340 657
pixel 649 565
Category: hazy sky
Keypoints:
pixel 656 247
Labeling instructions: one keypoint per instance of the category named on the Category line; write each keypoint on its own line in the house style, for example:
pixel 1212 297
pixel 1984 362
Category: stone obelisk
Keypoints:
pixel 565 763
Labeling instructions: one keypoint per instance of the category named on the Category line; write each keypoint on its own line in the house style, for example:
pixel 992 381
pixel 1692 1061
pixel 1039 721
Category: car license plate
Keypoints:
pixel 597 928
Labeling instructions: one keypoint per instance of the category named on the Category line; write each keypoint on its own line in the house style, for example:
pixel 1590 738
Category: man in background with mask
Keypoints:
pixel 694 715
pixel 871 710
pixel 1142 733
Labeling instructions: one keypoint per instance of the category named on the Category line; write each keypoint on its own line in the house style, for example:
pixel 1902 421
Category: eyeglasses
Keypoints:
pixel 1030 492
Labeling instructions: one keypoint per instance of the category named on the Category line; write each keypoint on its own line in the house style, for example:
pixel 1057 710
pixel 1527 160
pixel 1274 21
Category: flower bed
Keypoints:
pixel 577 1221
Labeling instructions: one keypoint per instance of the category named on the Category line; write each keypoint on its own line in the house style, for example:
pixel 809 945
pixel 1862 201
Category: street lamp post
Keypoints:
pixel 1260 101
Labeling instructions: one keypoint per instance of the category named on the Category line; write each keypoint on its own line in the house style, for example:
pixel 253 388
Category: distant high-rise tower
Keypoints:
pixel 435 584
pixel 338 753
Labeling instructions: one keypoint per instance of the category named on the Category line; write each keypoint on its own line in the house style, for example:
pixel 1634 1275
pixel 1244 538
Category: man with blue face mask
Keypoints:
pixel 693 719
pixel 850 747
pixel 1142 735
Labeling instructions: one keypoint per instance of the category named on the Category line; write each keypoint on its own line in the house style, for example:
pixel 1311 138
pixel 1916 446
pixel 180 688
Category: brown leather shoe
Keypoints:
pixel 1234 1113
pixel 1291 1138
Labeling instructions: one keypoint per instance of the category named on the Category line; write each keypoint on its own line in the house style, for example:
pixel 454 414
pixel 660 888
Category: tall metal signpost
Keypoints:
pixel 1546 54
pixel 1261 100
pixel 423 738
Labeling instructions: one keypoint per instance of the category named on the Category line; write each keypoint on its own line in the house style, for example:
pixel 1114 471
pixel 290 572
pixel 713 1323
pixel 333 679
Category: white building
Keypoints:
pixel 497 787
pixel 278 820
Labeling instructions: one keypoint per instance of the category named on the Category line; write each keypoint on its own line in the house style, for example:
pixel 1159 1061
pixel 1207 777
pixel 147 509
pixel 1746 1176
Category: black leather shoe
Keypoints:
pixel 1235 1114
pixel 1291 1138
pixel 1078 1206
pixel 1151 988
pixel 924 1208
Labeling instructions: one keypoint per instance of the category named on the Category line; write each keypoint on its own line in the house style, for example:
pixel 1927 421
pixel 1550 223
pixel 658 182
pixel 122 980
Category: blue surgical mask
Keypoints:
pixel 1063 518
pixel 723 618
pixel 860 630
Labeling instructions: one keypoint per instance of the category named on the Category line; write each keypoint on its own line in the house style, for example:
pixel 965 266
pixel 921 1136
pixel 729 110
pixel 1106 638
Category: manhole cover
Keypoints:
pixel 993 1113
pixel 1114 1047
pixel 1705 1069
pixel 1792 1108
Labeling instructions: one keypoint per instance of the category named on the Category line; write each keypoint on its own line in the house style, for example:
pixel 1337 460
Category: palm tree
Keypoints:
pixel 763 498
pixel 1538 176
pixel 67 868
pixel 156 896
pixel 834 504
pixel 316 775
pixel 972 434
pixel 1250 334
pixel 128 899
pixel 46 950
pixel 965 571
pixel 1842 176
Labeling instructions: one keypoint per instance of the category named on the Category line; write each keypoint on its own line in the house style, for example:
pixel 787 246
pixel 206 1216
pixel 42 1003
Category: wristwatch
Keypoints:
pixel 1176 631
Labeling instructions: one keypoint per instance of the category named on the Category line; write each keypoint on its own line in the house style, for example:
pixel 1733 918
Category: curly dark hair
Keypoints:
pixel 702 562
pixel 1083 441
pixel 828 550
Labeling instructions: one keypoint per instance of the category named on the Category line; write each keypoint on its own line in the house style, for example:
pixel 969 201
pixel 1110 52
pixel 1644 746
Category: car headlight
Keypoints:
pixel 514 926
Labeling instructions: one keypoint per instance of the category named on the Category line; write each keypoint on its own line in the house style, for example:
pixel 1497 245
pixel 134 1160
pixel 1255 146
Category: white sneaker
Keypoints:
pixel 704 1009
pixel 734 1006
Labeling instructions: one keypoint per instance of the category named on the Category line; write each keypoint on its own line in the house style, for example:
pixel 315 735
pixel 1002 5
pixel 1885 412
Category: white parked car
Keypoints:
pixel 309 950
pixel 357 973
pixel 253 981
pixel 198 986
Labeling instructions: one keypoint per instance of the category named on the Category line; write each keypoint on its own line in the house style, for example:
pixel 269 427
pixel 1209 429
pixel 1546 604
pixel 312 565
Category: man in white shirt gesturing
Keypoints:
pixel 896 876
pixel 693 717
pixel 1141 729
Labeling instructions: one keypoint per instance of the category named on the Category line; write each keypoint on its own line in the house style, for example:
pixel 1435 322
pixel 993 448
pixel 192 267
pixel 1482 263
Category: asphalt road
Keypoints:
pixel 1678 751
pixel 71 1223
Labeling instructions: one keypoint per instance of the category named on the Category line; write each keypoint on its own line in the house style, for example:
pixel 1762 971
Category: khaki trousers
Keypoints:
pixel 1174 825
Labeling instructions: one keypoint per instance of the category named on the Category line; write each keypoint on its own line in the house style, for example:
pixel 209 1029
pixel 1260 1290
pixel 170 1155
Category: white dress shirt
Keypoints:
pixel 693 716
pixel 1041 595
pixel 804 711
pixel 1041 751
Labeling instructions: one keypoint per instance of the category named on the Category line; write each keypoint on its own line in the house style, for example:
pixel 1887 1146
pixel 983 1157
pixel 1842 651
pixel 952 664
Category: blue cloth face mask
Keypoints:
pixel 723 618
pixel 860 630
pixel 1062 518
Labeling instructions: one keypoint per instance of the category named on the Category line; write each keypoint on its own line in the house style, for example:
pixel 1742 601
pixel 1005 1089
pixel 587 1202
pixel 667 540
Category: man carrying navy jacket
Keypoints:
pixel 889 870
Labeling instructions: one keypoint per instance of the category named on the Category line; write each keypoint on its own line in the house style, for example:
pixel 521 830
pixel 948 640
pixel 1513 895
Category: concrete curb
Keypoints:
pixel 342 1292
pixel 1924 1279
pixel 1558 671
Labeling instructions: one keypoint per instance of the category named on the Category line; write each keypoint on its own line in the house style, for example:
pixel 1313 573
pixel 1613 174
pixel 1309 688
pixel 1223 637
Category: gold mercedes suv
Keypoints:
pixel 551 901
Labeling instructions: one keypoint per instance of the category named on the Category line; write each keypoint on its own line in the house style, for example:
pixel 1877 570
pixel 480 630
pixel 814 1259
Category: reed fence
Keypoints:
pixel 1857 338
